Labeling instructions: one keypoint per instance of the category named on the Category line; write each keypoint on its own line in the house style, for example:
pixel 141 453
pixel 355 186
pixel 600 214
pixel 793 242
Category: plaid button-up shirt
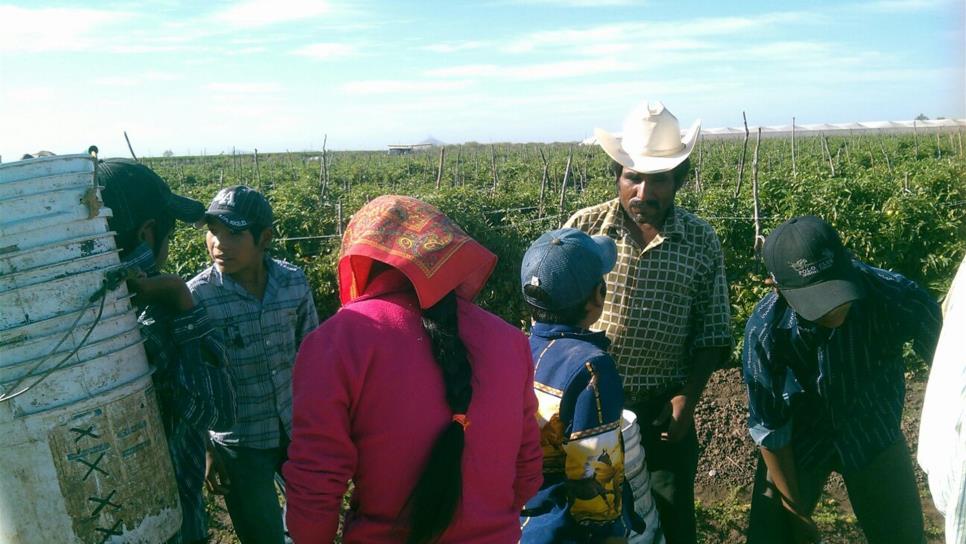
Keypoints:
pixel 261 338
pixel 664 300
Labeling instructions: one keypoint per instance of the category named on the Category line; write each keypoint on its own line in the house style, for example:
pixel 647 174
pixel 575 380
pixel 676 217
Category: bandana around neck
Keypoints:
pixel 418 240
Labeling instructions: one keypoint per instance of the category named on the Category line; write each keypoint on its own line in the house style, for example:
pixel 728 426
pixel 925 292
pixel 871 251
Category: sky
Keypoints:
pixel 277 75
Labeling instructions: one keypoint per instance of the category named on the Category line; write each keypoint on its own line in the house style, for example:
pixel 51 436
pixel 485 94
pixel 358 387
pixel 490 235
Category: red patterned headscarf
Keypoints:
pixel 419 241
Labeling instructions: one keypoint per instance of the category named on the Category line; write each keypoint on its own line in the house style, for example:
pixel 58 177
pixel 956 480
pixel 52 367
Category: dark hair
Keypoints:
pixel 438 491
pixel 566 316
pixel 679 172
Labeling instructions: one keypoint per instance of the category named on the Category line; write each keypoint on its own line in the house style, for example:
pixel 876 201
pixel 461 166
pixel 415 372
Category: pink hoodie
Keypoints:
pixel 369 404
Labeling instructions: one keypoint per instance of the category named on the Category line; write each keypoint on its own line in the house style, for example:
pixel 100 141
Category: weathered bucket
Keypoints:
pixel 83 458
pixel 637 476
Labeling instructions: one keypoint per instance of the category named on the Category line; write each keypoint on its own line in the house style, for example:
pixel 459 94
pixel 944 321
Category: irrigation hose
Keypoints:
pixel 111 281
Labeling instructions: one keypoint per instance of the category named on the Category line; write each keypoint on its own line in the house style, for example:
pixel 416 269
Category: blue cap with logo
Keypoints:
pixel 811 267
pixel 566 264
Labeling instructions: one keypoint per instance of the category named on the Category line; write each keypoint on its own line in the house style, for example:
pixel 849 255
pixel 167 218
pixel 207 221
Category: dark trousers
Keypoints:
pixel 673 467
pixel 883 494
pixel 252 500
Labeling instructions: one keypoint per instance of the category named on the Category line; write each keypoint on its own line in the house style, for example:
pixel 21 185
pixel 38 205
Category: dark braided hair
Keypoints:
pixel 439 490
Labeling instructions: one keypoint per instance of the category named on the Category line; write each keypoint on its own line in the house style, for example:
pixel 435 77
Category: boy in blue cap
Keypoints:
pixel 580 394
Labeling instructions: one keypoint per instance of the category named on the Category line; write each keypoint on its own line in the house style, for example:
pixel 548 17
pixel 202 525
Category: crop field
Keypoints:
pixel 899 200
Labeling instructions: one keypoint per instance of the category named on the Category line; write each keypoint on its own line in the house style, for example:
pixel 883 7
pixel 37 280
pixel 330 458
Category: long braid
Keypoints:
pixel 437 494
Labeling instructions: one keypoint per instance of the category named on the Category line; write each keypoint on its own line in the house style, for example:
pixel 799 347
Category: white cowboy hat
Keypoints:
pixel 651 141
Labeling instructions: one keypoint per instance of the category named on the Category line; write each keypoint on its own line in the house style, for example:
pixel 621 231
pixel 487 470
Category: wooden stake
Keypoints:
pixel 915 135
pixel 939 151
pixel 563 184
pixel 456 173
pixel 323 170
pixel 759 239
pixel 697 171
pixel 439 167
pixel 258 177
pixel 129 148
pixel 493 166
pixel 543 181
pixel 794 171
pixel 741 160
pixel 828 154
pixel 886 155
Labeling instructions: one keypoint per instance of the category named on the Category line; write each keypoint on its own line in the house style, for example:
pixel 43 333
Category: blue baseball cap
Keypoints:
pixel 566 264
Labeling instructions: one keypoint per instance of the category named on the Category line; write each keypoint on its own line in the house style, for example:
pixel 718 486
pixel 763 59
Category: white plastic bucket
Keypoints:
pixel 83 458
pixel 638 477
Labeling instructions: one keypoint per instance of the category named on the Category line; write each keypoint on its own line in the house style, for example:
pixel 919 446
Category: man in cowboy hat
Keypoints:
pixel 666 310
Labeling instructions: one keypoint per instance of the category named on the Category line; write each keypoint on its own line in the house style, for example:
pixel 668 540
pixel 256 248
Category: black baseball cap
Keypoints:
pixel 135 193
pixel 811 267
pixel 566 264
pixel 240 207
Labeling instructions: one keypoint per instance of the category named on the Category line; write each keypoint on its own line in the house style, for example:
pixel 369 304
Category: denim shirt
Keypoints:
pixel 836 391
pixel 581 400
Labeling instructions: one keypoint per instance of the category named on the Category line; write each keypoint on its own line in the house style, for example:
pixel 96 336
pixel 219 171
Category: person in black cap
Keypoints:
pixel 265 307
pixel 823 362
pixel 195 392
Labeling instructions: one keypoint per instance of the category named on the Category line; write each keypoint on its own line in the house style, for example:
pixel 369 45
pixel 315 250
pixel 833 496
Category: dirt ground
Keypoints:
pixel 727 466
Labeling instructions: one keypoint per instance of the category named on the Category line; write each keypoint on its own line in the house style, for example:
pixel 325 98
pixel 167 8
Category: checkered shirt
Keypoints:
pixel 664 300
pixel 261 338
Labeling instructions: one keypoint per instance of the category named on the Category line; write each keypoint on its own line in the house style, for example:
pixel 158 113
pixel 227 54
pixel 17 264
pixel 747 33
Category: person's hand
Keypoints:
pixel 163 290
pixel 216 477
pixel 678 416
pixel 804 530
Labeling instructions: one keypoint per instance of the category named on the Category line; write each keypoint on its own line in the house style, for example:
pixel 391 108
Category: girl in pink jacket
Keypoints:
pixel 421 398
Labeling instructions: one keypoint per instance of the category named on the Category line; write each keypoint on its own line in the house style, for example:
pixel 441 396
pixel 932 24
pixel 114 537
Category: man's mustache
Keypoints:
pixel 637 204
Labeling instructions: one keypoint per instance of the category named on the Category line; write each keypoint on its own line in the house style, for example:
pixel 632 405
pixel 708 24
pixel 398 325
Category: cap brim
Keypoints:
pixel 815 301
pixel 184 208
pixel 233 221
pixel 607 251
pixel 645 164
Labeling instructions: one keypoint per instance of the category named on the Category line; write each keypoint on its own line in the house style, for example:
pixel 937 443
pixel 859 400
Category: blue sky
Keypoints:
pixel 278 74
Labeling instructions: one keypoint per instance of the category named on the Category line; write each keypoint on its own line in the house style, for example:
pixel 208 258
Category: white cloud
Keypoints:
pixel 243 88
pixel 582 3
pixel 395 86
pixel 326 51
pixel 53 29
pixel 258 13
pixel 531 72
pixel 453 47
pixel 896 6
pixel 670 34
pixel 137 79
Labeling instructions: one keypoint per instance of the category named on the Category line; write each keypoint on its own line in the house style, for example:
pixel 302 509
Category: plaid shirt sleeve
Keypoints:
pixel 711 310
pixel 191 362
pixel 769 415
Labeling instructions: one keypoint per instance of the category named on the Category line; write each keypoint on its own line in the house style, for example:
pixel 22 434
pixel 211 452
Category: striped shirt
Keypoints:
pixel 664 300
pixel 942 432
pixel 836 391
pixel 262 338
pixel 194 392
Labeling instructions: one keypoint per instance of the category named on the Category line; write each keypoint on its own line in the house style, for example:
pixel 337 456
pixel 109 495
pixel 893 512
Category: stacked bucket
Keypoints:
pixel 83 456
pixel 638 477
